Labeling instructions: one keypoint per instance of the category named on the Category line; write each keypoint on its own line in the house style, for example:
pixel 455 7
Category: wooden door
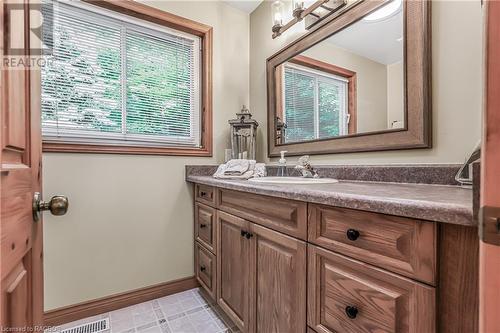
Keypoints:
pixel 278 272
pixel 233 268
pixel 20 154
pixel 489 248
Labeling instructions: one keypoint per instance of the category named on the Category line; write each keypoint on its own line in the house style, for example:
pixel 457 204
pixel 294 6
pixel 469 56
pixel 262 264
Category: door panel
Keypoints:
pixel 20 153
pixel 233 268
pixel 15 88
pixel 279 271
pixel 489 257
pixel 17 296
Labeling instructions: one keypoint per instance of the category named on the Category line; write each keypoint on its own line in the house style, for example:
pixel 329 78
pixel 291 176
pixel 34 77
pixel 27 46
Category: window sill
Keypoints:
pixel 125 150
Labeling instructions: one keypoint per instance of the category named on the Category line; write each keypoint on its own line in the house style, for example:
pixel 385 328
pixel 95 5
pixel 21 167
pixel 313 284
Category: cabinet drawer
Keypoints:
pixel 204 227
pixel 287 216
pixel 346 295
pixel 205 269
pixel 204 194
pixel 401 245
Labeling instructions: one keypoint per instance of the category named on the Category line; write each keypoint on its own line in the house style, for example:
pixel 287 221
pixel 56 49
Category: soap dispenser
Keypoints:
pixel 282 171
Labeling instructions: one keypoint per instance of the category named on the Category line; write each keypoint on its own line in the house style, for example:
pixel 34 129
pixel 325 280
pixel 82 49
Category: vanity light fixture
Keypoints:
pixel 299 12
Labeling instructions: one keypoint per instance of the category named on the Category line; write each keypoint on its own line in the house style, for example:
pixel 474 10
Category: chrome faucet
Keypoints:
pixel 306 168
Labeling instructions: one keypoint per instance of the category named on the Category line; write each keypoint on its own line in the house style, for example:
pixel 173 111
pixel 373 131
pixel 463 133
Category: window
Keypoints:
pixel 315 104
pixel 121 84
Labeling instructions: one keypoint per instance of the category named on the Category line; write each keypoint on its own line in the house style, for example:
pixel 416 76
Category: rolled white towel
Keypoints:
pixel 254 170
pixel 238 167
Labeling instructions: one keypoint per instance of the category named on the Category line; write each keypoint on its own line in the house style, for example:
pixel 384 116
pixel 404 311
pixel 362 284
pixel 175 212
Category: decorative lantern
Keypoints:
pixel 243 135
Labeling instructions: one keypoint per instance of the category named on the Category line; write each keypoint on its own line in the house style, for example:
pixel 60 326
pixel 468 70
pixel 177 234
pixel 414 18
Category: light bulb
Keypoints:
pixel 277 13
pixel 298 8
pixel 297 4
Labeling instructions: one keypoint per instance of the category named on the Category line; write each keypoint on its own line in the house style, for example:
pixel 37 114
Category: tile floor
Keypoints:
pixel 186 312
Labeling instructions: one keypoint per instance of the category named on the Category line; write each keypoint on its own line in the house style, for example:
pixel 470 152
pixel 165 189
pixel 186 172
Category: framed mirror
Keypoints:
pixel 359 82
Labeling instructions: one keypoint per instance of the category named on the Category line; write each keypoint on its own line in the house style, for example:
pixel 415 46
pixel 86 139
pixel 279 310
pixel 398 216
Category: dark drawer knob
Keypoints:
pixel 203 194
pixel 203 225
pixel 352 234
pixel 351 311
pixel 243 233
pixel 248 235
pixel 203 268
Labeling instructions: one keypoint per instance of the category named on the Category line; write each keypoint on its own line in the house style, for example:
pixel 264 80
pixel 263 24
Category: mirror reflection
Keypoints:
pixel 350 83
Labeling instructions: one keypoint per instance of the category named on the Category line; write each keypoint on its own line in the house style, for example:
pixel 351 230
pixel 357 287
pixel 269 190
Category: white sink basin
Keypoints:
pixel 292 180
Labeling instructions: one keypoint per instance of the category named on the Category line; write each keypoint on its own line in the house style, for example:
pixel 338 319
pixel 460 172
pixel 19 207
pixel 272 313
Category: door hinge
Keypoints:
pixel 489 225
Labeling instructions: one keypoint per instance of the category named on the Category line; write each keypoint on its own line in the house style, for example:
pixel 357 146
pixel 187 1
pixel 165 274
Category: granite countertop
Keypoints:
pixel 439 203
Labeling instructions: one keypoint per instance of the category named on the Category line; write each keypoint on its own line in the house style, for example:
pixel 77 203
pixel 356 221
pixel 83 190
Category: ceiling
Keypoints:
pixel 244 5
pixel 380 40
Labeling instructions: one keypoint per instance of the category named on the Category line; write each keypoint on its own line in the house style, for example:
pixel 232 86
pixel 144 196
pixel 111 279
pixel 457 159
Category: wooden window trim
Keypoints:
pixel 154 15
pixel 327 68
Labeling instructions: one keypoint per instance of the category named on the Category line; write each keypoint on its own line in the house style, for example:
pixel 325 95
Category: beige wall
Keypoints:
pixel 456 80
pixel 130 221
pixel 395 94
pixel 371 87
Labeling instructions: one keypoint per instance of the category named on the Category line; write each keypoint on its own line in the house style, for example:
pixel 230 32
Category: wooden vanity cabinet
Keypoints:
pixel 288 266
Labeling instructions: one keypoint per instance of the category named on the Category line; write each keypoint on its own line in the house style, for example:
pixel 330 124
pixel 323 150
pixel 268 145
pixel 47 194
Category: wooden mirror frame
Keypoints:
pixel 417 90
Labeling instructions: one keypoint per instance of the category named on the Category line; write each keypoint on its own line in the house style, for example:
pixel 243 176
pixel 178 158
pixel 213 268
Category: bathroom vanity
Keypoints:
pixel 346 257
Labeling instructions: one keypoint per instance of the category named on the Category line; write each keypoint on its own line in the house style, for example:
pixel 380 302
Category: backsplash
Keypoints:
pixel 439 174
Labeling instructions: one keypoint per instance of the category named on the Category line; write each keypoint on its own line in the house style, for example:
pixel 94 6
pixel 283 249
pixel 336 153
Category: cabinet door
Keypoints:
pixel 233 268
pixel 345 295
pixel 278 299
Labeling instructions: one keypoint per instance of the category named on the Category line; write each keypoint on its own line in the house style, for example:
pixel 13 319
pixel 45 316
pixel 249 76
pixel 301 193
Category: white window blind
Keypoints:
pixel 315 104
pixel 116 80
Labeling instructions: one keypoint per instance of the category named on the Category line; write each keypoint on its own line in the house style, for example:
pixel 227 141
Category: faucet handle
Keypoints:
pixel 306 168
pixel 304 160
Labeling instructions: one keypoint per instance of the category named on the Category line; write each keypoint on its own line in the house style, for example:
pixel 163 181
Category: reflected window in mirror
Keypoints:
pixel 317 100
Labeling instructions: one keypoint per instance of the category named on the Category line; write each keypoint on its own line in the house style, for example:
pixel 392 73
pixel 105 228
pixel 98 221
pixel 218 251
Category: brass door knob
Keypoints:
pixel 58 205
